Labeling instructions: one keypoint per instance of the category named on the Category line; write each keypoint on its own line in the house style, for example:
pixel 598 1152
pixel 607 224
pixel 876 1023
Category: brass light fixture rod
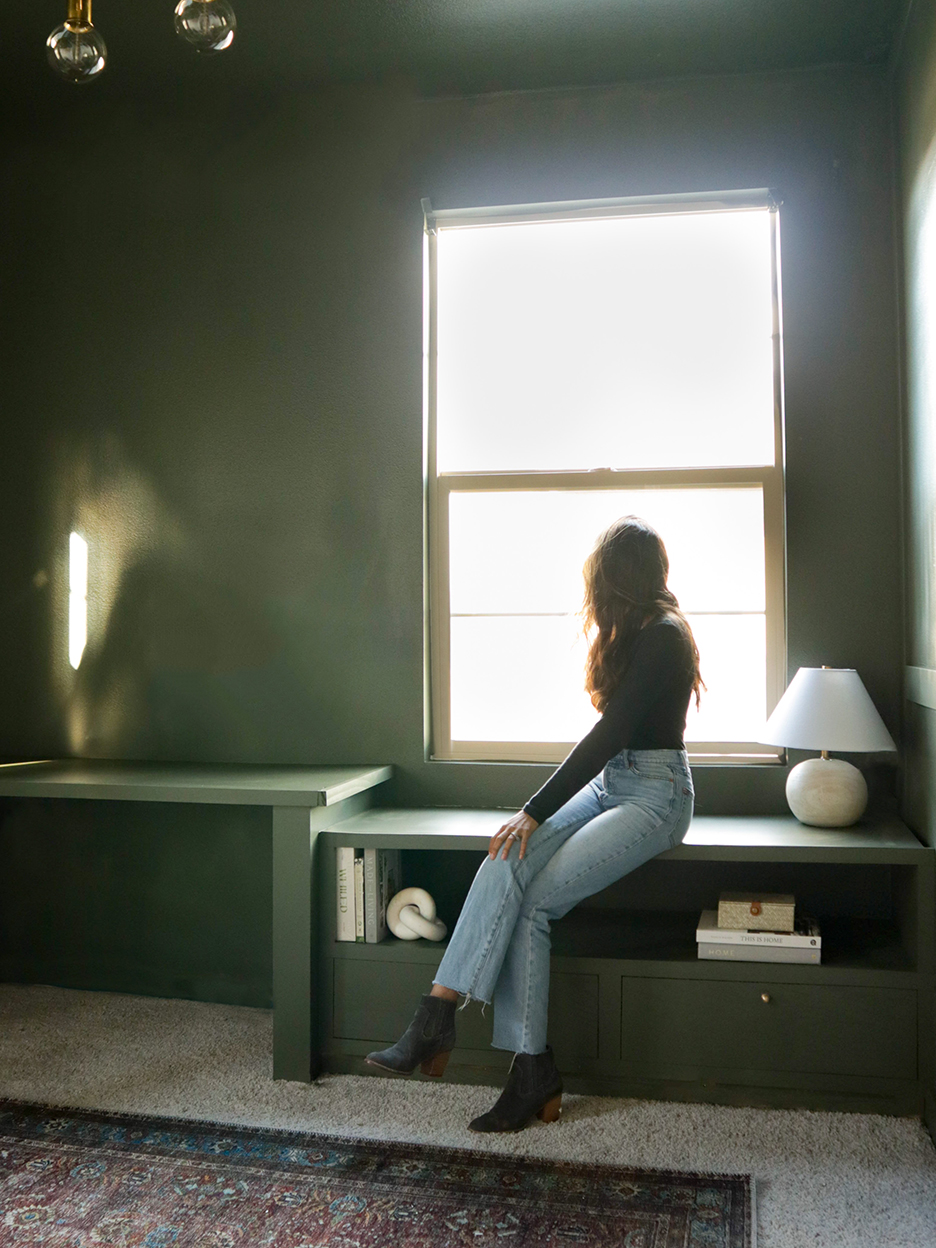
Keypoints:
pixel 825 666
pixel 79 12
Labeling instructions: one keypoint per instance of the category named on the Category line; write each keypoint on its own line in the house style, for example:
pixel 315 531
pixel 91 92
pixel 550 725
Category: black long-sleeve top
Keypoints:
pixel 647 711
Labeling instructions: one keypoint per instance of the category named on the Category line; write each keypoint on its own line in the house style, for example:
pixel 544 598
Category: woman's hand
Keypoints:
pixel 520 828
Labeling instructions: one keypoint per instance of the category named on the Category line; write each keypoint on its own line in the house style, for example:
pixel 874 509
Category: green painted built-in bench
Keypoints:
pixel 302 801
pixel 632 1009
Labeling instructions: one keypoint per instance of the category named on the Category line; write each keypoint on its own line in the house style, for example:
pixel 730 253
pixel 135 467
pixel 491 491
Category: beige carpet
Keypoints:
pixel 822 1180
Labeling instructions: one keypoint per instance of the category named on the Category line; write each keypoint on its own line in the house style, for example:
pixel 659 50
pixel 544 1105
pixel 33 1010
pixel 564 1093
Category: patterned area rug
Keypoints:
pixel 77 1179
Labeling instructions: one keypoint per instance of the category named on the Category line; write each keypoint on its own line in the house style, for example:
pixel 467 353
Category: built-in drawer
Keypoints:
pixel 374 1001
pixel 802 1028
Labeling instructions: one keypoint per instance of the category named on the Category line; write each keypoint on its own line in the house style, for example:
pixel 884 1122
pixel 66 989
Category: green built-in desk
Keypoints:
pixel 302 800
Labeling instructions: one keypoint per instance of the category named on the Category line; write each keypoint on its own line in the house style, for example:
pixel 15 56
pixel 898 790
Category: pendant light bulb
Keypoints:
pixel 75 50
pixel 208 25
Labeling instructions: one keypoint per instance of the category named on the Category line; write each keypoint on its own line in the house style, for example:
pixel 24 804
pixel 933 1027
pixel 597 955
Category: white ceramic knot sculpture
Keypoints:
pixel 412 913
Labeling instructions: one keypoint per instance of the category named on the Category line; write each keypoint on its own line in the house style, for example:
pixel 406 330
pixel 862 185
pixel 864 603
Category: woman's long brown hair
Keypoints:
pixel 625 588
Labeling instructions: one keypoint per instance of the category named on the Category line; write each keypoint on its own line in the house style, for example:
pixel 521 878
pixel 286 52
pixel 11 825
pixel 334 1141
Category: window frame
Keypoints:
pixel 439 486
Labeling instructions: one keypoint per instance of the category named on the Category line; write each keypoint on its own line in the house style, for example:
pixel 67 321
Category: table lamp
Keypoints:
pixel 827 708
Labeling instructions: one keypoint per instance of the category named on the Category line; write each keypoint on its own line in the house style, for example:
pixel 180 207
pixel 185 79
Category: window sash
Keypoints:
pixel 768 478
pixel 438 487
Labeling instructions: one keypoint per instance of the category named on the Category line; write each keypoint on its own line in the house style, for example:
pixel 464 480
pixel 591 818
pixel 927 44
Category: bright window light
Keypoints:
pixel 77 598
pixel 516 583
pixel 582 366
pixel 633 342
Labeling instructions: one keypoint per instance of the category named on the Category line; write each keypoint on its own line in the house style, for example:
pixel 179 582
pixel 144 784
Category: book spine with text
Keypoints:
pixel 759 940
pixel 358 895
pixel 389 884
pixel 757 953
pixel 344 861
pixel 806 936
pixel 372 896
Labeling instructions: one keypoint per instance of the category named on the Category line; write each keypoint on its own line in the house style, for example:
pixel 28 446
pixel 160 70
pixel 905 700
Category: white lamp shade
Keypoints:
pixel 827 708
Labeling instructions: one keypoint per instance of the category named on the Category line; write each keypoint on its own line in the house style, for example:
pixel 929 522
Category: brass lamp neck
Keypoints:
pixel 824 753
pixel 79 11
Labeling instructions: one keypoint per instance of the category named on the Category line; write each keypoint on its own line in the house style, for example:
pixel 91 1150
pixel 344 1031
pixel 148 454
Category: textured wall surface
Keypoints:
pixel 214 371
pixel 916 113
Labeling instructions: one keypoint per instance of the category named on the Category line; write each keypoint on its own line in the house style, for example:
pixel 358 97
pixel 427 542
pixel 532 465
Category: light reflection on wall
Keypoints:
pixel 77 598
pixel 109 503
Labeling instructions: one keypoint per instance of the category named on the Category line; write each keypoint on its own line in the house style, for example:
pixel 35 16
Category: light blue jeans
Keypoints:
pixel 639 806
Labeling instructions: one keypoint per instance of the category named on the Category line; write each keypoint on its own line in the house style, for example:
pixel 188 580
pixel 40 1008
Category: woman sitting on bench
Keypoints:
pixel 623 795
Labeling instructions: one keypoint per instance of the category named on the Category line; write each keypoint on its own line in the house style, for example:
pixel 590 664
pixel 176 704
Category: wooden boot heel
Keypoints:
pixel 551 1110
pixel 436 1065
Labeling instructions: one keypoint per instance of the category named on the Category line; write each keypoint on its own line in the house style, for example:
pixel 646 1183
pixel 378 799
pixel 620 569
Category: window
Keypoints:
pixel 585 361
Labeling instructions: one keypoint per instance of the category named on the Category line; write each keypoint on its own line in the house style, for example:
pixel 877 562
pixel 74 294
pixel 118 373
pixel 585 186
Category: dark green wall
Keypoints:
pixel 213 368
pixel 916 119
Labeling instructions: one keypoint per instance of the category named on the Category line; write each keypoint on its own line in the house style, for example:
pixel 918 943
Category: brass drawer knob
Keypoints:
pixel 765 997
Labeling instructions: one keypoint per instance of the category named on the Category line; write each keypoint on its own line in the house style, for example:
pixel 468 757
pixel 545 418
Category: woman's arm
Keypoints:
pixel 658 663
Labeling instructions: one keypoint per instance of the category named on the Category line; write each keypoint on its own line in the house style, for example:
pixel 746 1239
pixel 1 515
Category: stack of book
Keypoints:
pixel 367 879
pixel 803 944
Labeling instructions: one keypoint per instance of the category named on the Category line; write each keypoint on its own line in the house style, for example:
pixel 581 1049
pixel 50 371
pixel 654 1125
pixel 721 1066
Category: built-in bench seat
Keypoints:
pixel 633 1010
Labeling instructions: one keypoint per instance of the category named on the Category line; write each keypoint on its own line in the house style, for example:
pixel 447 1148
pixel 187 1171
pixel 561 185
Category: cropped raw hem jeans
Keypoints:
pixel 639 806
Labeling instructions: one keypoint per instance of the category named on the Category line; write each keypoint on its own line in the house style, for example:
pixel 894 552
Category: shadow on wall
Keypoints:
pixel 179 663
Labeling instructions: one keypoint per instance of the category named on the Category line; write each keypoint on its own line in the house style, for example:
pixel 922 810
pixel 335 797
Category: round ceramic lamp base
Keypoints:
pixel 827 793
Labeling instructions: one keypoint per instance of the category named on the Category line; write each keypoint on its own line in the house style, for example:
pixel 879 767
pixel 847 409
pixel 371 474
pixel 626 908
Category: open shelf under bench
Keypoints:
pixel 660 936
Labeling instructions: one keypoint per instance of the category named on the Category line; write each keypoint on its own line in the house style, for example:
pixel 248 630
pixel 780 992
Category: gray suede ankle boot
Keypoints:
pixel 534 1086
pixel 427 1042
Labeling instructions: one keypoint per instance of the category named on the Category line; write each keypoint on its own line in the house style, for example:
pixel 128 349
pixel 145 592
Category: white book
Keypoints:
pixel 358 894
pixel 806 936
pixel 344 861
pixel 756 953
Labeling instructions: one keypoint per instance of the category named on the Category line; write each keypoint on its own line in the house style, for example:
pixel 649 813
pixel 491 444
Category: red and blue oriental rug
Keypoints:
pixel 79 1179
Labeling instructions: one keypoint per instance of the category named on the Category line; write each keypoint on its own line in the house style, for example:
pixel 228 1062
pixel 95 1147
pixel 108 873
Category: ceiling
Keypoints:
pixel 476 45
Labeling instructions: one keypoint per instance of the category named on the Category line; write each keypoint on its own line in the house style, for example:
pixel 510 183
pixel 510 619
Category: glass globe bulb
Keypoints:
pixel 209 25
pixel 76 51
